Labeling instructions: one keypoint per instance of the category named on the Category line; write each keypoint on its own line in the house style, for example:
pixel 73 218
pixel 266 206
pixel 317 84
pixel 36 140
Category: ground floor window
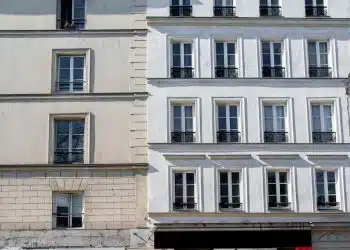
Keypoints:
pixel 68 210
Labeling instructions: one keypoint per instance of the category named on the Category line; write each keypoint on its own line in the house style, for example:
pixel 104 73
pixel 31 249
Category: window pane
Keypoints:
pixel 230 48
pixel 231 60
pixel 64 62
pixel 263 2
pixel 312 59
pixel 190 190
pixel 272 189
pixel 275 2
pixel 324 60
pixel 188 61
pixel 223 178
pixel 233 124
pixel 277 47
pixel 62 221
pixel 229 2
pixel 177 111
pixel 308 2
pixel 283 177
pixel 266 60
pixel 321 199
pixel 220 48
pixel 323 47
pixel 190 178
pixel 280 111
pixel 176 61
pixel 272 199
pixel 176 49
pixel 268 125
pixel 175 2
pixel 332 198
pixel 178 178
pixel 177 124
pixel 320 2
pixel 222 124
pixel 62 141
pixel 224 200
pixel 311 46
pixel 233 111
pixel 331 188
pixel 189 124
pixel 224 189
pixel 235 177
pixel 280 124
pixel 188 111
pixel 220 60
pixel 265 47
pixel 187 48
pixel 79 13
pixel 62 127
pixel 283 189
pixel 77 203
pixel 268 112
pixel 78 74
pixel 327 110
pixel 320 189
pixel 178 190
pixel 277 60
pixel 235 190
pixel 271 177
pixel 331 176
pixel 284 198
pixel 77 221
pixel 78 141
pixel 78 127
pixel 319 177
pixel 218 2
pixel 221 111
pixel 186 2
pixel 64 75
pixel 79 3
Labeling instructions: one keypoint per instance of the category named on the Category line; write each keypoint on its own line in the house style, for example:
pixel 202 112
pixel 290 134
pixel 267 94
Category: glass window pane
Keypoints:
pixel 283 177
pixel 78 141
pixel 190 178
pixel 77 221
pixel 224 190
pixel 64 75
pixel 272 199
pixel 266 60
pixel 280 111
pixel 311 46
pixel 186 2
pixel 327 110
pixel 284 198
pixel 78 127
pixel 176 61
pixel 263 2
pixel 231 60
pixel 271 177
pixel 280 124
pixel 223 177
pixel 178 190
pixel 175 2
pixel 62 142
pixel 277 47
pixel 319 177
pixel 312 59
pixel 277 60
pixel 308 2
pixel 233 124
pixel 222 123
pixel 224 200
pixel 218 2
pixel 64 62
pixel 220 60
pixel 275 2
pixel 268 124
pixel 235 190
pixel 188 48
pixel 324 60
pixel 332 198
pixel 188 61
pixel 283 189
pixel 265 47
pixel 177 111
pixel 79 13
pixel 316 111
pixel 323 48
pixel 268 112
pixel 190 190
pixel 222 111
pixel 235 177
pixel 331 188
pixel 188 111
pixel 176 48
pixel 178 178
pixel 331 176
pixel 230 48
pixel 189 124
pixel 272 189
pixel 320 189
pixel 233 111
pixel 229 2
pixel 62 127
pixel 177 124
pixel 79 3
pixel 78 74
pixel 77 202
pixel 220 48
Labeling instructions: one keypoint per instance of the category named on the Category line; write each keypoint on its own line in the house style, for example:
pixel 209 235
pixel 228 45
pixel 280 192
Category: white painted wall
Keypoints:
pixel 250 8
pixel 26 63
pixel 41 15
pixel 248 46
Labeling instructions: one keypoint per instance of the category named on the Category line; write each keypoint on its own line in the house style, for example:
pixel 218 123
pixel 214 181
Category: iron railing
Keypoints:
pixel 224 11
pixel 229 72
pixel 275 137
pixel 182 137
pixel 69 157
pixel 315 11
pixel 323 137
pixel 184 206
pixel 273 72
pixel 279 205
pixel 178 72
pixel 324 72
pixel 228 136
pixel 181 11
pixel 224 205
pixel 64 86
pixel 72 24
pixel 270 11
pixel 327 205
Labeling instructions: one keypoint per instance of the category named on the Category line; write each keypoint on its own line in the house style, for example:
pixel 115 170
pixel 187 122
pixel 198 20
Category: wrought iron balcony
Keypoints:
pixel 228 136
pixel 270 11
pixel 178 72
pixel 323 72
pixel 222 72
pixel 275 137
pixel 323 137
pixel 64 157
pixel 327 205
pixel 315 11
pixel 181 11
pixel 184 206
pixel 230 205
pixel 279 205
pixel 274 72
pixel 224 11
pixel 182 137
pixel 64 86
pixel 72 24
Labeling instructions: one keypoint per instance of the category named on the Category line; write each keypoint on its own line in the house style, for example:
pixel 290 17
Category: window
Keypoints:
pixel 70 73
pixel 326 182
pixel 230 197
pixel 183 123
pixel 69 141
pixel 184 191
pixel 71 14
pixel 225 60
pixel 272 59
pixel 318 59
pixel 315 8
pixel 270 8
pixel 224 8
pixel 322 123
pixel 278 190
pixel 275 123
pixel 181 8
pixel 68 210
pixel 228 123
pixel 181 60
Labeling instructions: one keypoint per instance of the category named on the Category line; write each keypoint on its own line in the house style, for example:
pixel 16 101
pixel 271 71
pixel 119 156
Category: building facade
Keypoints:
pixel 73 159
pixel 248 124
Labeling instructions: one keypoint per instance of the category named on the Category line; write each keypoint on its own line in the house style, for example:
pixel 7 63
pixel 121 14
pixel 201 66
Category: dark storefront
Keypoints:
pixel 209 239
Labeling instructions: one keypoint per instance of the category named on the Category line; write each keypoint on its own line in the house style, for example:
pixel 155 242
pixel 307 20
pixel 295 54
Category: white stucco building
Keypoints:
pixel 248 123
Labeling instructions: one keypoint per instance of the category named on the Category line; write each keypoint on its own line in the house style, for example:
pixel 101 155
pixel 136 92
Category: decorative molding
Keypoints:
pixel 68 184
pixel 229 156
pixel 279 156
pixel 248 21
pixel 327 157
pixel 185 156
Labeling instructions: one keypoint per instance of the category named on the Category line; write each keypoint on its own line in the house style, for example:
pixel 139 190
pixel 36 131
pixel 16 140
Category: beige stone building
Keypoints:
pixel 73 158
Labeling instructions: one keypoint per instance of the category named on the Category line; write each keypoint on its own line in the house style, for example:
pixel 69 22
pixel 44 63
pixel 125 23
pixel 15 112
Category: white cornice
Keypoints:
pixel 229 156
pixel 184 156
pixel 327 157
pixel 249 21
pixel 279 156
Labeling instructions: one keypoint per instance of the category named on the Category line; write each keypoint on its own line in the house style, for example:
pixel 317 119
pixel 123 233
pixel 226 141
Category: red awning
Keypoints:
pixel 303 248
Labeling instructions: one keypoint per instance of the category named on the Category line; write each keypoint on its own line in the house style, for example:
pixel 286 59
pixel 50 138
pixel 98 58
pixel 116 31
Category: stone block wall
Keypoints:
pixel 111 199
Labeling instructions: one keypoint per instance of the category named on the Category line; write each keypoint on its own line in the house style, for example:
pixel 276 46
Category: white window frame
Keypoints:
pixel 182 54
pixel 274 116
pixel 322 116
pixel 314 3
pixel 197 184
pixel 70 217
pixel 241 192
pixel 270 5
pixel 71 72
pixel 180 3
pixel 226 54
pixel 272 53
pixel 336 122
pixel 318 54
pixel 68 117
pixel 73 8
pixel 56 53
pixel 325 188
pixel 224 3
pixel 194 102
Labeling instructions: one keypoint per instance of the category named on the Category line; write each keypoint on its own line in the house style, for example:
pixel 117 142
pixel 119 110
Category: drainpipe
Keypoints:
pixel 347 92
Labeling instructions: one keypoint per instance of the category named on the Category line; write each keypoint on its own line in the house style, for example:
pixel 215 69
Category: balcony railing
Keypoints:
pixel 181 11
pixel 65 157
pixel 63 86
pixel 224 11
pixel 275 137
pixel 229 72
pixel 276 72
pixel 270 11
pixel 184 206
pixel 323 137
pixel 327 205
pixel 324 72
pixel 182 137
pixel 279 205
pixel 228 136
pixel 178 72
pixel 315 11
pixel 73 24
pixel 230 205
